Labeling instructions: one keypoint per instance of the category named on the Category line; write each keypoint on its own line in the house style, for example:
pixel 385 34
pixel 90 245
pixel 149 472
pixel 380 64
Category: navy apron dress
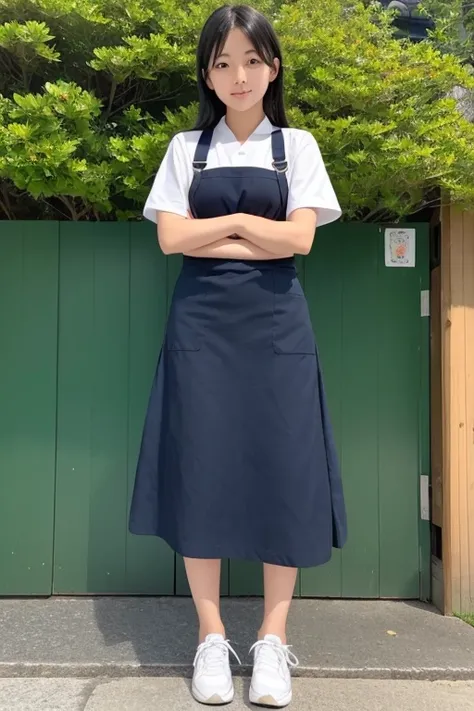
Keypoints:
pixel 237 458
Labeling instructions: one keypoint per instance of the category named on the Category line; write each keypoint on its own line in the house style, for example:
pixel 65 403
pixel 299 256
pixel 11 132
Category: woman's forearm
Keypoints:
pixel 280 238
pixel 272 238
pixel 178 234
pixel 233 249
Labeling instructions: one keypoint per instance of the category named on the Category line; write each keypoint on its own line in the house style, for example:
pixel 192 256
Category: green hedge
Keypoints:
pixel 91 91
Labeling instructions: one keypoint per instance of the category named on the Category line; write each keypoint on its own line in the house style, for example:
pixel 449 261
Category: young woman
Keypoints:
pixel 237 458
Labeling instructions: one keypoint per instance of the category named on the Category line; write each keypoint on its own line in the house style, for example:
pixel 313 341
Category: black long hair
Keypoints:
pixel 213 38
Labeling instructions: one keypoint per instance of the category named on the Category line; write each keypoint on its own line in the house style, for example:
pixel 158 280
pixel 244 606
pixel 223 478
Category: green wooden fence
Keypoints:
pixel 82 313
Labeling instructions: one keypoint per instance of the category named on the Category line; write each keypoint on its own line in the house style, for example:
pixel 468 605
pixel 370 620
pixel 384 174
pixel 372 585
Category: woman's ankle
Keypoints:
pixel 279 633
pixel 210 629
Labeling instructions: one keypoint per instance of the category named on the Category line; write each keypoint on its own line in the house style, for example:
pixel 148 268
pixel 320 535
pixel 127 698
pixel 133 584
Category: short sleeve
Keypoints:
pixel 309 184
pixel 169 192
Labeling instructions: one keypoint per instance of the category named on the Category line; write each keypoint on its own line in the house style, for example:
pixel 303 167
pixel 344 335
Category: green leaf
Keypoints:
pixel 92 91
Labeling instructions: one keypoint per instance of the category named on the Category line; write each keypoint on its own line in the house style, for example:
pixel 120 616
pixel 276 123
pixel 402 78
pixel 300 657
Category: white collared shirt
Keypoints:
pixel 308 182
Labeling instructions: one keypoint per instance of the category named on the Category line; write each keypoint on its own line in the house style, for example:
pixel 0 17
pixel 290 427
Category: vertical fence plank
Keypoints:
pixel 359 451
pixel 91 496
pixel 28 354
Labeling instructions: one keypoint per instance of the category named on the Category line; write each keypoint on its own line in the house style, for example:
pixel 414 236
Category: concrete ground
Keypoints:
pixel 124 637
pixel 173 694
pixel 135 654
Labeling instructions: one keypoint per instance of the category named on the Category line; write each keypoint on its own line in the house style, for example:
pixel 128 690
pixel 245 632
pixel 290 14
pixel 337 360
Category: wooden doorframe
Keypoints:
pixel 453 509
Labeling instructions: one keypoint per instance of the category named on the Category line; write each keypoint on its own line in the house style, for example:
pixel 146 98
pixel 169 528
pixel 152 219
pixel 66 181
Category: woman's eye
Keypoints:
pixel 221 65
pixel 254 61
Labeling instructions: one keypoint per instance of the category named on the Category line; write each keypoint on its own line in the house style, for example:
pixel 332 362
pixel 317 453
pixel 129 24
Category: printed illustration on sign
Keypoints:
pixel 400 247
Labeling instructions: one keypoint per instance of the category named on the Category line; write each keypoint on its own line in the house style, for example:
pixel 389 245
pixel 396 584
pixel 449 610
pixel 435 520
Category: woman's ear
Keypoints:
pixel 205 76
pixel 275 69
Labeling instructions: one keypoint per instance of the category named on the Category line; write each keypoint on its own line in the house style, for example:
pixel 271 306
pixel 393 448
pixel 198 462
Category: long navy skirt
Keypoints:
pixel 237 458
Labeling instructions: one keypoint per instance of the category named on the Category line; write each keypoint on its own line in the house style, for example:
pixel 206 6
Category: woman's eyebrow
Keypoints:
pixel 249 51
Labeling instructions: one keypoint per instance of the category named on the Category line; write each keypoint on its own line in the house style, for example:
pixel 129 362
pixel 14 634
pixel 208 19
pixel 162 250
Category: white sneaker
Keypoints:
pixel 271 678
pixel 212 679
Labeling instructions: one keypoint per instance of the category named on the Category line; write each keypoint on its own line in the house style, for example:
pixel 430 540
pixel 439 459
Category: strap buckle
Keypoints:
pixel 197 163
pixel 281 166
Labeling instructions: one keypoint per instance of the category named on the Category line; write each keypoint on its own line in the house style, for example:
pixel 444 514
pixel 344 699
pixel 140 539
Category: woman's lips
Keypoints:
pixel 241 94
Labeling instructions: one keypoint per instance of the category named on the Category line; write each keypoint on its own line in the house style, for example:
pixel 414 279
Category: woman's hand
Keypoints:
pixel 245 224
pixel 179 234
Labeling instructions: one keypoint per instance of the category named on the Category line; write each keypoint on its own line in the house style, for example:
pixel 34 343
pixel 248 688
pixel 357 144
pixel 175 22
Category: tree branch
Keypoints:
pixel 159 97
pixel 113 90
pixel 54 207
pixel 4 207
pixel 69 205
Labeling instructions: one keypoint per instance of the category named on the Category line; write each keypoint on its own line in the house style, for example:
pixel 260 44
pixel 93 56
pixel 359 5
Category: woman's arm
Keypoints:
pixel 293 236
pixel 233 249
pixel 177 234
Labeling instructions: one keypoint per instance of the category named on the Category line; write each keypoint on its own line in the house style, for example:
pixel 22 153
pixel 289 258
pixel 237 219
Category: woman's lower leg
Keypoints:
pixel 279 586
pixel 204 581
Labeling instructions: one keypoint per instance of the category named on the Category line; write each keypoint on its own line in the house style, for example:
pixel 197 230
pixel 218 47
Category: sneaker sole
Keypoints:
pixel 215 699
pixel 268 701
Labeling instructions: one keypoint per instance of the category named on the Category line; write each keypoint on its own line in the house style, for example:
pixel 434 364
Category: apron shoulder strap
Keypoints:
pixel 280 165
pixel 202 149
pixel 278 152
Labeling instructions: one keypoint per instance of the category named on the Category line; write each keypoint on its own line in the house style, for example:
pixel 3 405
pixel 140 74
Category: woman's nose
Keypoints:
pixel 241 76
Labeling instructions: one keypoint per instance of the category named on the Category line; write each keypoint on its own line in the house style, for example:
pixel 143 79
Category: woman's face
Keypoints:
pixel 238 75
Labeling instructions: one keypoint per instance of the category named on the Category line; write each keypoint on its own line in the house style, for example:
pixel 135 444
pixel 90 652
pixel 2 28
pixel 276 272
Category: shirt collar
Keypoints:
pixel 223 132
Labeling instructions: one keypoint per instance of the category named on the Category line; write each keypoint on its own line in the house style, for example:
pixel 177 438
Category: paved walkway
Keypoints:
pixel 164 694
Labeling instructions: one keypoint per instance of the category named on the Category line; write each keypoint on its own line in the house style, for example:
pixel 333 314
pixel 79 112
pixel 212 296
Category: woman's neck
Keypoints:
pixel 243 123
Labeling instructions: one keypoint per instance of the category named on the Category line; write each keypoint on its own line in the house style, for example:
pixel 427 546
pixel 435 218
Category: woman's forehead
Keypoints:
pixel 236 42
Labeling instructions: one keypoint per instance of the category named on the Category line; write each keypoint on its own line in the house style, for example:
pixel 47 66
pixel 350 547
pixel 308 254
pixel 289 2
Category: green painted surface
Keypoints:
pixel 359 394
pixel 399 373
pixel 424 438
pixel 92 408
pixel 374 353
pixel 28 353
pixel 112 315
pixel 114 293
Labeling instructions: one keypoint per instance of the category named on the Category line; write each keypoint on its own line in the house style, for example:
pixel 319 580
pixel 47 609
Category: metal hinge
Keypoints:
pixel 425 302
pixel 425 497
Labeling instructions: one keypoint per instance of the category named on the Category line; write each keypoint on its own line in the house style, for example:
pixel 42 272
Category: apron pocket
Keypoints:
pixel 292 329
pixel 182 333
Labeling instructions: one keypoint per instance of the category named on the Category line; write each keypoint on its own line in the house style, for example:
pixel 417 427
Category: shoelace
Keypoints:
pixel 282 651
pixel 213 644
